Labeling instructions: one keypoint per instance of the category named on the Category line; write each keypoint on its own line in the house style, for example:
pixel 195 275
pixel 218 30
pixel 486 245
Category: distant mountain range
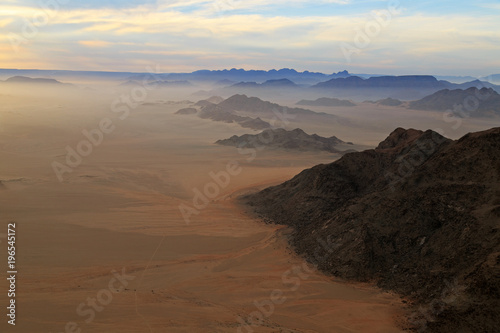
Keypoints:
pixel 234 75
pixel 398 82
pixel 333 92
pixel 471 102
pixel 240 75
pixel 281 83
pixel 408 87
pixel 296 139
pixel 29 80
pixel 409 81
pixel 419 214
pixel 24 79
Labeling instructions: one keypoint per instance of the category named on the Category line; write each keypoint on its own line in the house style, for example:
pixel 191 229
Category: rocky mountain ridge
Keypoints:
pixel 419 215
pixel 295 139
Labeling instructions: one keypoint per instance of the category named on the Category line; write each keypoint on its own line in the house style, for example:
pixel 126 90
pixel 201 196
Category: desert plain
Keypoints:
pixel 107 248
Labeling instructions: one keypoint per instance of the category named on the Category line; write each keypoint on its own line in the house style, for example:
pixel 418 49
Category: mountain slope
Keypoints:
pixel 419 214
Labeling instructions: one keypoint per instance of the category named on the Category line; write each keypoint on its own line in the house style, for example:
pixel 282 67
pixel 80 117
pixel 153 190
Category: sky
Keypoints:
pixel 366 36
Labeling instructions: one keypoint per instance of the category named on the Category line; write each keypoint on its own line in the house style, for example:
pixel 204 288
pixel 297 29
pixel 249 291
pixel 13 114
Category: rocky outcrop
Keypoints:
pixel 419 215
pixel 296 139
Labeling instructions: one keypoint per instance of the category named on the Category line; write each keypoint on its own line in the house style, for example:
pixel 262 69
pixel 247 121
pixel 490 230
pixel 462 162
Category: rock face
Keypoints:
pixel 420 214
pixel 470 102
pixel 325 101
pixel 281 138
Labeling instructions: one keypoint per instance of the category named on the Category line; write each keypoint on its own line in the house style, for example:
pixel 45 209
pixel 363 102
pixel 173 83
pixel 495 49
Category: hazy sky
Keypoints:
pixel 436 37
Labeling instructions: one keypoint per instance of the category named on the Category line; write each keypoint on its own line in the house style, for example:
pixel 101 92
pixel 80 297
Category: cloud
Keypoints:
pixel 94 43
pixel 187 34
pixel 209 6
pixel 495 6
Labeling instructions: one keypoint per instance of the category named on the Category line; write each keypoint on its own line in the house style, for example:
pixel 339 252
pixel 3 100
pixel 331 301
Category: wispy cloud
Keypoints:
pixel 495 6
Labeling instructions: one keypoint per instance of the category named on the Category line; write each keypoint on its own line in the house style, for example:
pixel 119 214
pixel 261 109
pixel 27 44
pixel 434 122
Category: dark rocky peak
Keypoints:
pixel 400 137
pixel 434 222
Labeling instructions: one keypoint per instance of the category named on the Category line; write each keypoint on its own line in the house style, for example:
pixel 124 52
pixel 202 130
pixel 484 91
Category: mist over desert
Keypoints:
pixel 246 167
pixel 119 211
